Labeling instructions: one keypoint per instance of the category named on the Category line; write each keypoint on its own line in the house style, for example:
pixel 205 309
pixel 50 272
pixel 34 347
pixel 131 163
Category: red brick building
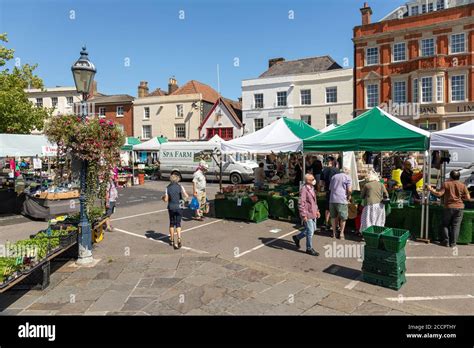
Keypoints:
pixel 117 108
pixel 420 56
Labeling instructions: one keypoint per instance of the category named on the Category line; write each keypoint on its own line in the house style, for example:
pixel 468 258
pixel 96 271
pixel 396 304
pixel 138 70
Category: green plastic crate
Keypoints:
pixel 394 239
pixel 394 283
pixel 375 256
pixel 385 269
pixel 372 236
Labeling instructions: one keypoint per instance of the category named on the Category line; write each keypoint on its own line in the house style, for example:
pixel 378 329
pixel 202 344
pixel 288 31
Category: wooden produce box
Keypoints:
pixel 59 195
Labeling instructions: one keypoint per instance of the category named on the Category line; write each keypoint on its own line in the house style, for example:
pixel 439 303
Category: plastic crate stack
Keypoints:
pixel 384 256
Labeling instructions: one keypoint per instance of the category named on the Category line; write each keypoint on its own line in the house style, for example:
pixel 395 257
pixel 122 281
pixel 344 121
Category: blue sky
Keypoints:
pixel 158 44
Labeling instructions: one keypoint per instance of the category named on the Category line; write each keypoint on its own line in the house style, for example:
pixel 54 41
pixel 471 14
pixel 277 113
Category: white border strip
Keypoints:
pixel 265 244
pixel 429 298
pixel 142 214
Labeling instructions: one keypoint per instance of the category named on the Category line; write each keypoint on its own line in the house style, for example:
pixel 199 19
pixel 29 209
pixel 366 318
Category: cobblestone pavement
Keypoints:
pixel 180 283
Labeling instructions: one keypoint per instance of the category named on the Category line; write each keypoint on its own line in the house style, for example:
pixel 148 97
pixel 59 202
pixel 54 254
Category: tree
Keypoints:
pixel 17 114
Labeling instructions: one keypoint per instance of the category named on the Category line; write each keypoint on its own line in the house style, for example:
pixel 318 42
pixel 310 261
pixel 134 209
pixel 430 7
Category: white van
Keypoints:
pixel 182 158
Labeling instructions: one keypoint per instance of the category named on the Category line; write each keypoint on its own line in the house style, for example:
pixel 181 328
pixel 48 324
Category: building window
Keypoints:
pixel 431 127
pixel 423 8
pixel 399 92
pixel 224 133
pixel 146 132
pixel 258 124
pixel 439 89
pixel 426 89
pixel 180 130
pixel 414 10
pixel 331 119
pixel 281 98
pixel 306 118
pixel 54 102
pixel 458 88
pixel 146 113
pixel 399 52
pixel 305 97
pixel 372 54
pixel 331 95
pixel 415 91
pixel 440 5
pixel 430 7
pixel 70 101
pixel 372 95
pixel 454 124
pixel 258 100
pixel 427 47
pixel 180 110
pixel 458 43
pixel 102 112
pixel 119 111
pixel 39 102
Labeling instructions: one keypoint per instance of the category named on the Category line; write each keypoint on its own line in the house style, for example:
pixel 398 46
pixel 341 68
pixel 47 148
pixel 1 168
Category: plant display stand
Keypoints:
pixel 241 209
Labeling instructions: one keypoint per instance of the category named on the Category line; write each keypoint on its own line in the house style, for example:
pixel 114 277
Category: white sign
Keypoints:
pixel 49 151
pixel 37 164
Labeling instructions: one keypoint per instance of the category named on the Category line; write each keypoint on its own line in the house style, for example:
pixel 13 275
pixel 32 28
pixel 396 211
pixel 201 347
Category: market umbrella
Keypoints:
pixel 459 137
pixel 374 130
pixel 283 135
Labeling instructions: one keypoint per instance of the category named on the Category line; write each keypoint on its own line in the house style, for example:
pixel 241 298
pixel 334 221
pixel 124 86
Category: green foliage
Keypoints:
pixel 17 114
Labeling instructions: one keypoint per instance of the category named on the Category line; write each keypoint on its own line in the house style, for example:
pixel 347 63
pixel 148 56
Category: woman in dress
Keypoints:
pixel 373 193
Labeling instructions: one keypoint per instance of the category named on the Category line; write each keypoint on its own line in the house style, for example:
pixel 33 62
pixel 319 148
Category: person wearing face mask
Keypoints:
pixel 309 212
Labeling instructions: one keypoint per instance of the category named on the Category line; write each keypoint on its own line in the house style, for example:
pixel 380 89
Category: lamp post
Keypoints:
pixel 83 72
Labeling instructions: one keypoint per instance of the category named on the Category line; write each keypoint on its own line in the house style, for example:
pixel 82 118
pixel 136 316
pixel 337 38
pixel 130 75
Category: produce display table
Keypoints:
pixel 280 207
pixel 410 218
pixel 228 208
pixel 46 209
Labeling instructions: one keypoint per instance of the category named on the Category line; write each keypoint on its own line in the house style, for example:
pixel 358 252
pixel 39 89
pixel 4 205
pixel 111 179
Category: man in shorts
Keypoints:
pixel 199 189
pixel 341 189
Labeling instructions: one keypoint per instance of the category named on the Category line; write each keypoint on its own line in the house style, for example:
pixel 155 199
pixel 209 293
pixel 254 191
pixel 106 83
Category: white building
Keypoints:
pixel 316 90
pixel 62 99
pixel 417 7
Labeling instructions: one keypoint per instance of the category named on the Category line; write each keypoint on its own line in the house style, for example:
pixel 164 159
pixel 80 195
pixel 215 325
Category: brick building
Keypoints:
pixel 419 56
pixel 117 108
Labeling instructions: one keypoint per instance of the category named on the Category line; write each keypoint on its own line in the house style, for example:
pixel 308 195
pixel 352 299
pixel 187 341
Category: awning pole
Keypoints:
pixel 428 197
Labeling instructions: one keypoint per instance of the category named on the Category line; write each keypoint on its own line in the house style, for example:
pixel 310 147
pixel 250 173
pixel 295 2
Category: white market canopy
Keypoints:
pixel 25 145
pixel 153 144
pixel 459 137
pixel 283 135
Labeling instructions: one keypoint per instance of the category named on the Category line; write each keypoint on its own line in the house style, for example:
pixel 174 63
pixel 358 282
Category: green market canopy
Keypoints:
pixel 374 130
pixel 283 135
pixel 153 144
pixel 129 142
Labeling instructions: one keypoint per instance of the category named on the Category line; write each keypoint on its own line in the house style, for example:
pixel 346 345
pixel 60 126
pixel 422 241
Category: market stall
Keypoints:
pixel 376 131
pixel 146 159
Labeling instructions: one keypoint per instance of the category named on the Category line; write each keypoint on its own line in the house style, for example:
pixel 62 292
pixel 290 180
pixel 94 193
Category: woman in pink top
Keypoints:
pixel 309 213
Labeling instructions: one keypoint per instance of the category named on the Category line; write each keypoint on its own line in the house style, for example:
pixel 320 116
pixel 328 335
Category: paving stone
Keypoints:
pixel 136 303
pixel 235 267
pixel 79 283
pixel 285 309
pixel 257 287
pixel 250 307
pixel 200 279
pixel 159 308
pixel 145 282
pixel 340 302
pixel 220 305
pixel 111 300
pixel 397 312
pixel 159 273
pixel 99 283
pixel 231 283
pixel 370 308
pixel 273 279
pixel 241 294
pixel 148 292
pixel 250 275
pixel 129 277
pixel 310 296
pixel 17 301
pixel 75 308
pixel 320 310
pixel 89 294
pixel 195 298
pixel 219 261
pixel 54 306
pixel 197 311
pixel 37 312
pixel 165 282
pixel 10 311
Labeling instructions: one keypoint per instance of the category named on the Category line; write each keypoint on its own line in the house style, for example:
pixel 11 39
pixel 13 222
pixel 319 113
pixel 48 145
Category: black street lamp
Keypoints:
pixel 83 72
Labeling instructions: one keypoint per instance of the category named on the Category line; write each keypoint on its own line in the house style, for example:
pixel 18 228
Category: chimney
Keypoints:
pixel 143 89
pixel 172 85
pixel 273 61
pixel 240 100
pixel 366 13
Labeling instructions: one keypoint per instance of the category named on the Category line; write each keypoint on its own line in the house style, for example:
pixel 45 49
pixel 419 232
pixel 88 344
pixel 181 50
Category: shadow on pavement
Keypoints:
pixel 343 272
